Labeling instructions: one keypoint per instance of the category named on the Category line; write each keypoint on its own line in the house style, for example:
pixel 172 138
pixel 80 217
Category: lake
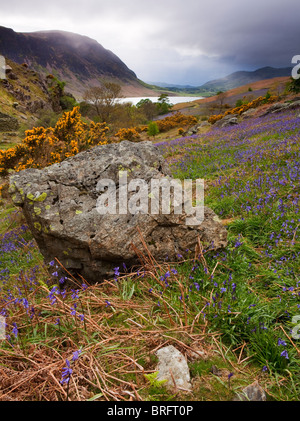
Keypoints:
pixel 173 99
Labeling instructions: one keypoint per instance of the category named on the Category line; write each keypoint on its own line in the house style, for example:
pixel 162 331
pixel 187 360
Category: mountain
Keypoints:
pixel 75 59
pixel 171 85
pixel 240 78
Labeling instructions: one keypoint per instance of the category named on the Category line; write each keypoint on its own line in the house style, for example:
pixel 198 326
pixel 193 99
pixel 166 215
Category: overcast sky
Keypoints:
pixel 174 41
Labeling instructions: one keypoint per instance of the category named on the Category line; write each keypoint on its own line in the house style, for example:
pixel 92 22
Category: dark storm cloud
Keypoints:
pixel 179 41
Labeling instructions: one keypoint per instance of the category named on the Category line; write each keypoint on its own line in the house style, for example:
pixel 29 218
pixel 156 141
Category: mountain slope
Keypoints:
pixel 240 78
pixel 78 60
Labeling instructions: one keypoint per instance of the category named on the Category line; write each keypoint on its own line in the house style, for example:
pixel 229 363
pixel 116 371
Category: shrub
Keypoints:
pixel 175 120
pixel 128 134
pixel 153 129
pixel 46 146
pixel 268 98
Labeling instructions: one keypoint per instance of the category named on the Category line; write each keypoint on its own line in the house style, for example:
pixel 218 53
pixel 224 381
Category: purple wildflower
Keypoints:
pixel 66 373
pixel 15 330
pixel 284 354
pixel 76 355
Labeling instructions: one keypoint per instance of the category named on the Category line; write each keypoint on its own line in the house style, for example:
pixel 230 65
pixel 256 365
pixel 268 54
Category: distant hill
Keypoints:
pixel 78 60
pixel 234 80
pixel 240 78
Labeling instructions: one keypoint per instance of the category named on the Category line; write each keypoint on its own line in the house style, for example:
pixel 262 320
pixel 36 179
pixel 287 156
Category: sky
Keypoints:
pixel 186 42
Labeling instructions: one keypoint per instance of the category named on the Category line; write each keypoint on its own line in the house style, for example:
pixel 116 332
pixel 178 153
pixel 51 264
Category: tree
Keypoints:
pixel 163 104
pixel 153 129
pixel 147 107
pixel 103 98
pixel 294 85
pixel 221 99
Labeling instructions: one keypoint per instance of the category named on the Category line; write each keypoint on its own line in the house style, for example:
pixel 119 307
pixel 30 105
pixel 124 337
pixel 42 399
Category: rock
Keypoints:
pixel 228 120
pixel 8 123
pixel 215 371
pixel 249 113
pixel 22 109
pixel 253 392
pixel 172 366
pixel 203 124
pixel 59 204
pixel 12 76
pixel 281 107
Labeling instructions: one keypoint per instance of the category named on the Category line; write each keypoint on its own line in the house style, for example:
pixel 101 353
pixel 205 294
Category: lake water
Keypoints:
pixel 173 99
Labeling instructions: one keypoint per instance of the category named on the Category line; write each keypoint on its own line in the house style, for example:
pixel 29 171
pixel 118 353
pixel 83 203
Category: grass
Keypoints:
pixel 233 306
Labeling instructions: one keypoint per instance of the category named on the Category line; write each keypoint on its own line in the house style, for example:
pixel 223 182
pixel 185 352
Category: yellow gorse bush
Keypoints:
pixel 46 146
pixel 128 134
pixel 175 120
pixel 245 107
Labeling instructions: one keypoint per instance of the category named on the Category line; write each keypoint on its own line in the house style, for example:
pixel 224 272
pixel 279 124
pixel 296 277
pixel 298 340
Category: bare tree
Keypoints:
pixel 221 96
pixel 103 98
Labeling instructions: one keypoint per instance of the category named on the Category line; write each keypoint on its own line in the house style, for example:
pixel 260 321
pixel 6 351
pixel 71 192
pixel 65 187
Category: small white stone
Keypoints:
pixel 173 367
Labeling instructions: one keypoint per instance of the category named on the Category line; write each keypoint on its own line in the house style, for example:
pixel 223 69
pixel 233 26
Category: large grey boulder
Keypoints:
pixel 59 204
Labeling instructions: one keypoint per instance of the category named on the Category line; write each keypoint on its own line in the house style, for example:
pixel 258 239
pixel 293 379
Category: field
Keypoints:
pixel 234 309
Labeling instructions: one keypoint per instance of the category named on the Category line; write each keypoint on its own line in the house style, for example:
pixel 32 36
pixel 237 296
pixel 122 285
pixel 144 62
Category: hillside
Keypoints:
pixel 241 78
pixel 78 60
pixel 202 107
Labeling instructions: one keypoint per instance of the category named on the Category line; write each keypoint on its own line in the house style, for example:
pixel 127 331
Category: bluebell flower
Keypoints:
pixel 66 373
pixel 75 294
pixel 284 354
pixel 76 355
pixel 15 330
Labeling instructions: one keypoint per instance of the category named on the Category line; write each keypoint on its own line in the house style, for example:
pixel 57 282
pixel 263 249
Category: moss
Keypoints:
pixel 40 198
pixel 30 196
pixel 47 207
pixel 78 212
pixel 37 210
pixel 12 188
pixel 37 226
